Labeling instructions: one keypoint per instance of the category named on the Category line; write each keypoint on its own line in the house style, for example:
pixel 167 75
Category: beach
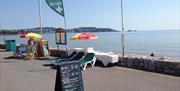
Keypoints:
pixel 21 75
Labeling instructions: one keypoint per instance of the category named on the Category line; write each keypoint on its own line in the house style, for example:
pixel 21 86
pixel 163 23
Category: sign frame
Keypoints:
pixel 60 36
pixel 65 81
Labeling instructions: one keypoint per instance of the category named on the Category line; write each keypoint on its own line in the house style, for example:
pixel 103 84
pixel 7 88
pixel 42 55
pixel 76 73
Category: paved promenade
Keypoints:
pixel 20 75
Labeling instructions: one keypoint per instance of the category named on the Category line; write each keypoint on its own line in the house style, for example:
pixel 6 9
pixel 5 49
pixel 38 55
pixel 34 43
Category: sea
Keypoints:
pixel 160 42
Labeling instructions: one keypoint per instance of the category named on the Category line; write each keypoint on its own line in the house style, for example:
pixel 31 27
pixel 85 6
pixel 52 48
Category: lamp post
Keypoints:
pixel 122 33
pixel 40 17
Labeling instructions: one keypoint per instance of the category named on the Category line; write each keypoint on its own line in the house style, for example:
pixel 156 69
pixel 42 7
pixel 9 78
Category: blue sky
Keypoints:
pixel 138 14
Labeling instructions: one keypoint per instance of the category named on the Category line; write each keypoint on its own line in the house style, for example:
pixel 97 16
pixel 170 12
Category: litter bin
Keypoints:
pixel 10 45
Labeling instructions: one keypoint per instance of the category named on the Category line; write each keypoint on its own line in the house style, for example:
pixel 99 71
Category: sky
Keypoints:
pixel 138 14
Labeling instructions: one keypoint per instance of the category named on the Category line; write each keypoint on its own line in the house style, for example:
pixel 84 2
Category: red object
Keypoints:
pixel 30 35
pixel 30 41
pixel 82 36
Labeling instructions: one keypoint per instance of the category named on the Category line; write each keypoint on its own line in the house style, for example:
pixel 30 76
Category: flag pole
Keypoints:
pixel 65 30
pixel 40 17
pixel 65 34
pixel 122 33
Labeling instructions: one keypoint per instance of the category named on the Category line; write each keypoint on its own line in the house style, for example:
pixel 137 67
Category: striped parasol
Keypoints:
pixel 30 35
pixel 83 36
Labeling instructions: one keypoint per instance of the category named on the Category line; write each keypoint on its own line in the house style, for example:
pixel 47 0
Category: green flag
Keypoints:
pixel 57 6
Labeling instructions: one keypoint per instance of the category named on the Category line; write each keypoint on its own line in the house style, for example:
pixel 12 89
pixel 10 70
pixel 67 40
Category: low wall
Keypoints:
pixel 152 65
pixel 53 52
pixel 2 46
pixel 57 53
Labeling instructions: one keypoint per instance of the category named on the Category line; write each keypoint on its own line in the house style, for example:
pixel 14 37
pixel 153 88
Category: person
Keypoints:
pixel 30 41
pixel 22 49
pixel 152 55
pixel 161 58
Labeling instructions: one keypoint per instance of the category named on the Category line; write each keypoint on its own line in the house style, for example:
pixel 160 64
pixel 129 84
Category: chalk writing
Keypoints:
pixel 70 76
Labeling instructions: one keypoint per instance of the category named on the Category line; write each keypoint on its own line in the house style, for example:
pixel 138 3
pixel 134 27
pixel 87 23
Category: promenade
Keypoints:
pixel 35 75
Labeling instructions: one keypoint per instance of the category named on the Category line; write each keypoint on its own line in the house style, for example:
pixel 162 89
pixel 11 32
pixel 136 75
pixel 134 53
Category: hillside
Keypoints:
pixel 52 30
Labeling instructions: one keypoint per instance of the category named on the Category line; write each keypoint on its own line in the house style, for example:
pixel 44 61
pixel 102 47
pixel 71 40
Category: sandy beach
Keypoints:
pixel 35 75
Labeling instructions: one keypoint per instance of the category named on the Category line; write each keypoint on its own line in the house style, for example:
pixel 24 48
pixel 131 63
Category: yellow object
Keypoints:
pixel 82 36
pixel 30 35
pixel 75 36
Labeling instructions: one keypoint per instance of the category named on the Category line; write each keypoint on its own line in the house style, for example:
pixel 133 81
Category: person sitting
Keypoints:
pixel 152 55
pixel 30 42
pixel 22 49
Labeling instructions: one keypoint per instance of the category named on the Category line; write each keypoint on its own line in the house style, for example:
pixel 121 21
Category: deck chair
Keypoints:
pixel 31 52
pixel 65 58
pixel 88 59
pixel 21 51
pixel 76 57
pixel 34 49
pixel 70 56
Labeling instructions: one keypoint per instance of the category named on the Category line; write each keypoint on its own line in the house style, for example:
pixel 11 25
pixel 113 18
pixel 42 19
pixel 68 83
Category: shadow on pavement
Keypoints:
pixel 11 57
pixel 50 65
pixel 38 70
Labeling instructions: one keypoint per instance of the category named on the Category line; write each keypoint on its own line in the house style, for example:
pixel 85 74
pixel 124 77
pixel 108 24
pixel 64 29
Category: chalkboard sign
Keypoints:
pixel 69 77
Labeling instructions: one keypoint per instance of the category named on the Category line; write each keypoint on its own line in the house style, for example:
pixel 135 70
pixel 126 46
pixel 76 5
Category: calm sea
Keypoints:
pixel 162 43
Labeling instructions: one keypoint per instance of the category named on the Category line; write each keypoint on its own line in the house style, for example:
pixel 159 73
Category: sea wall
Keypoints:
pixel 2 46
pixel 57 53
pixel 152 64
pixel 53 52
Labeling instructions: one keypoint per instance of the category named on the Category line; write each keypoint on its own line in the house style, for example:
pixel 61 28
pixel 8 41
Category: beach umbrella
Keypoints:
pixel 83 36
pixel 30 35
